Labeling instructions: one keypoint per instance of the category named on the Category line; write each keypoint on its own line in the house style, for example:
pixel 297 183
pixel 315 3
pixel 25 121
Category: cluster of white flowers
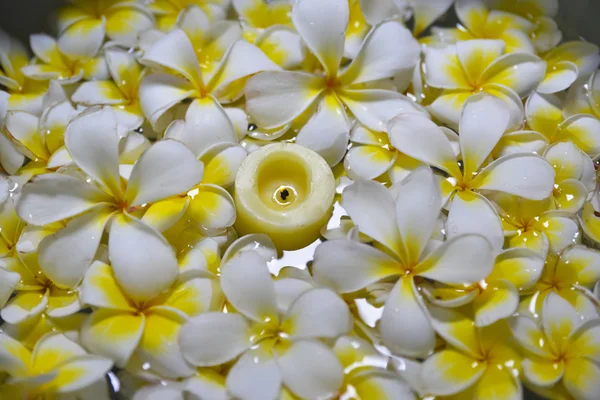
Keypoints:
pixel 464 263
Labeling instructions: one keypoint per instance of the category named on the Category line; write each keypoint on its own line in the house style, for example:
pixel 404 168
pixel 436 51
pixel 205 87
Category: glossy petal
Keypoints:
pixel 559 320
pixel 275 98
pixel 256 301
pixel 498 301
pixel 322 26
pixel 166 169
pixel 53 197
pixel 522 175
pixel 327 132
pixel 212 208
pixel 581 378
pixel 310 370
pixel 368 162
pixel 83 39
pixel 100 289
pixel 449 371
pixel 529 335
pixel 141 274
pixel 214 338
pixel 65 256
pixel 522 72
pixel 404 304
pixel 247 371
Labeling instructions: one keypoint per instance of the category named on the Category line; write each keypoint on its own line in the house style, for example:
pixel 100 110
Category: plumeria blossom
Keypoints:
pixel 483 122
pixel 83 21
pixel 168 11
pixel 561 352
pixel 496 296
pixel 26 94
pixel 365 374
pixel 471 66
pixel 166 169
pixel 545 115
pixel 567 63
pixel 126 329
pixel 372 155
pixel 403 226
pixel 206 121
pixel 57 368
pixel 571 275
pixel 275 99
pixel 66 67
pixel 273 347
pixel 210 39
pixel 269 26
pixel 424 12
pixel 41 139
pixel 477 21
pixel 546 34
pixel 121 92
pixel 478 363
pixel 11 159
pixel 584 97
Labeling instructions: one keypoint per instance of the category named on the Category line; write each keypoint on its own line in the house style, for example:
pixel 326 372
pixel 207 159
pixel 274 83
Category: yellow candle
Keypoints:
pixel 286 191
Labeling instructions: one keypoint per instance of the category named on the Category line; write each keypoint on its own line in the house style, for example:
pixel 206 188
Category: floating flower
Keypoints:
pixel 121 92
pixel 561 355
pixel 471 66
pixel 544 114
pixel 206 121
pixel 567 63
pixel 477 21
pixel 496 296
pixel 403 226
pixel 57 366
pixel 67 68
pixel 584 97
pixel 424 12
pixel 26 94
pixel 83 21
pixel 372 155
pixel 365 370
pixel 525 175
pixel 122 326
pixel 168 11
pixel 536 225
pixel 546 35
pixel 275 348
pixel 166 169
pixel 571 275
pixel 41 138
pixel 274 99
pixel 476 362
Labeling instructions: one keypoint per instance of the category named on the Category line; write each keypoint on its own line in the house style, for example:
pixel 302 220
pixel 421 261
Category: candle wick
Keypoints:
pixel 284 194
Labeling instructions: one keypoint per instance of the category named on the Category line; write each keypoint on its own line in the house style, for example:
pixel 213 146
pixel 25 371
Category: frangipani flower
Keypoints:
pixel 365 374
pixel 84 22
pixel 536 225
pixel 567 63
pixel 275 99
pixel 269 26
pixel 562 354
pixel 41 138
pixel 372 155
pixel 121 92
pixel 483 122
pixel 403 227
pixel 572 274
pixel 56 368
pixel 167 11
pixel 472 66
pixel 122 326
pixel 67 68
pixel 496 296
pixel 424 12
pixel 477 21
pixel 206 121
pixel 480 363
pixel 541 12
pixel 544 114
pixel 275 348
pixel 26 94
pixel 166 169
pixel 584 97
